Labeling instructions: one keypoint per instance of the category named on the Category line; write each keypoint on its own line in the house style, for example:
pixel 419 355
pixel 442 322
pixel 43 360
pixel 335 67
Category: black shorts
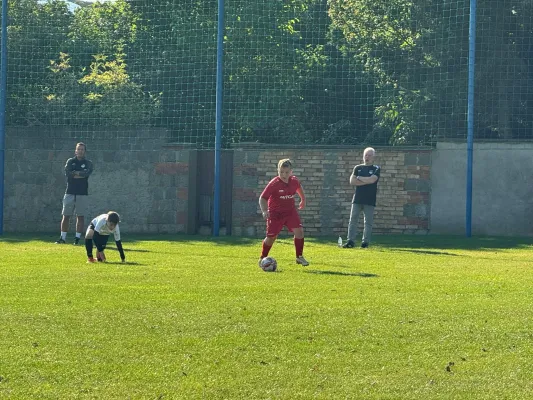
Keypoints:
pixel 99 240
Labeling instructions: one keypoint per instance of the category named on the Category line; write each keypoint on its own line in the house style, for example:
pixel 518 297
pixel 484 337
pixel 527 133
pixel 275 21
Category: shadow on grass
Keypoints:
pixel 444 242
pixel 23 238
pixel 340 273
pixel 124 264
pixel 456 242
pixel 135 238
pixel 192 240
pixel 427 252
pixel 128 250
pixel 403 242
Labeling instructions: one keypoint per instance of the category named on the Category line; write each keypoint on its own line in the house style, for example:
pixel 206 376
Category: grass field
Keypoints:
pixel 195 318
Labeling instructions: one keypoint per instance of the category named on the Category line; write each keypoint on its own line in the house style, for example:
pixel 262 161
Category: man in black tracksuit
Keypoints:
pixel 77 171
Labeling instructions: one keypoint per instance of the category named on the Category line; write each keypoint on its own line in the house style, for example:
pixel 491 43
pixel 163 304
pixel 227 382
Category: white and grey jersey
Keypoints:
pixel 100 226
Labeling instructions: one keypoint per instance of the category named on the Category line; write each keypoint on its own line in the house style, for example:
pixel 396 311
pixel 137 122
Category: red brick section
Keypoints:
pixel 244 169
pixel 171 168
pixel 417 197
pixel 181 217
pixel 245 194
pixel 183 193
pixel 393 198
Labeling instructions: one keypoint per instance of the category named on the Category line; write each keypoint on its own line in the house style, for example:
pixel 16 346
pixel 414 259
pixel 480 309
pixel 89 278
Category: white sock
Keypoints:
pixel 78 235
pixel 63 235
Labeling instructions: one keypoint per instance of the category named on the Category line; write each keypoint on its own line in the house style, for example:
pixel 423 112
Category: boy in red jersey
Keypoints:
pixel 279 210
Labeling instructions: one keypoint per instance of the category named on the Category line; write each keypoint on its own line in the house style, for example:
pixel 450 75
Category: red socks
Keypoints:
pixel 266 249
pixel 299 246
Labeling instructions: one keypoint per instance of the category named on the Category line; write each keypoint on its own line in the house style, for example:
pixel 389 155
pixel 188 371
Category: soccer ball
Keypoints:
pixel 269 264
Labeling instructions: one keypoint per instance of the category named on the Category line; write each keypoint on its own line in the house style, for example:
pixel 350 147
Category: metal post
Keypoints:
pixel 218 120
pixel 470 120
pixel 3 97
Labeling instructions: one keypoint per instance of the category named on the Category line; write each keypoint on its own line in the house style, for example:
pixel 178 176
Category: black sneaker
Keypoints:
pixel 349 244
pixel 60 241
pixel 76 241
pixel 364 245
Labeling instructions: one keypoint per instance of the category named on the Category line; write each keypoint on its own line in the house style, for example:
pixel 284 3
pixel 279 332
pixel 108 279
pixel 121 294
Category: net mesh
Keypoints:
pixel 337 72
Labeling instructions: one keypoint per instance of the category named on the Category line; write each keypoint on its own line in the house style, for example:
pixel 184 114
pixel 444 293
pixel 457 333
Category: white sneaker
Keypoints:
pixel 302 261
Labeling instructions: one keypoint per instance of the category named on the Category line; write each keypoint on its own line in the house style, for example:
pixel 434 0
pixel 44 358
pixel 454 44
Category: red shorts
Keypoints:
pixel 277 221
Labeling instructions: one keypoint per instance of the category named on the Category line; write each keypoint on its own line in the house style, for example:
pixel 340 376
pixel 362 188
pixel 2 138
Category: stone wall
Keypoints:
pixel 135 173
pixel 403 204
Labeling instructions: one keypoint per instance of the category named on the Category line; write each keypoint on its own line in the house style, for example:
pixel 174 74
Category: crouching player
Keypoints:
pixel 98 232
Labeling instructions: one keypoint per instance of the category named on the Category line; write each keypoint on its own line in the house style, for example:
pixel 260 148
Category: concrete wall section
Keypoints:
pixel 502 190
pixel 448 189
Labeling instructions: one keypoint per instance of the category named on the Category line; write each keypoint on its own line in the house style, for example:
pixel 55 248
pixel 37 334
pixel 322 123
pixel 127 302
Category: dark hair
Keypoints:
pixel 113 217
pixel 82 144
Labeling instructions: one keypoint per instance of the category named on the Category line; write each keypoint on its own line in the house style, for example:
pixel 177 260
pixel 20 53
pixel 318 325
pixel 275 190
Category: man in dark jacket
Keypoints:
pixel 77 171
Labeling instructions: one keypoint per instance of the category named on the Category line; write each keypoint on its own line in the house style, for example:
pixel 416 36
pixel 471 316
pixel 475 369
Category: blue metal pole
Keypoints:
pixel 3 96
pixel 470 118
pixel 218 120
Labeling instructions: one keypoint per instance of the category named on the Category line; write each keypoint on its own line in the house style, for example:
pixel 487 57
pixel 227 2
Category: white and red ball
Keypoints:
pixel 269 264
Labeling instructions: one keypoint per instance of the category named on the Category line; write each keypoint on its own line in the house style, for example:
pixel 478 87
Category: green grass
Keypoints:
pixel 194 318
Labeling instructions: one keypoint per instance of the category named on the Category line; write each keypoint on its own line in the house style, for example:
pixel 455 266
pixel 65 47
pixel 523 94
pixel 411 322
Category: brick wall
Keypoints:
pixel 403 191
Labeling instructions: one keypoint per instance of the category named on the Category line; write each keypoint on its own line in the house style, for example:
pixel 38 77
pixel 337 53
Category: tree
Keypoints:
pixel 393 42
pixel 417 53
pixel 60 79
pixel 283 79
pixel 102 28
pixel 37 34
pixel 504 73
pixel 111 98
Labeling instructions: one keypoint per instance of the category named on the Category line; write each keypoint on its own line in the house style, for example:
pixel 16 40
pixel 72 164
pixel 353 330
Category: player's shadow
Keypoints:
pixel 124 264
pixel 340 273
pixel 193 240
pixel 429 252
pixel 448 242
pixel 129 250
pixel 24 239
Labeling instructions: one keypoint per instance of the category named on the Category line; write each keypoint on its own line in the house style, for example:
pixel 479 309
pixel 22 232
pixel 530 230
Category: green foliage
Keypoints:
pixel 36 36
pixel 297 71
pixel 388 39
pixel 61 85
pixel 504 69
pixel 112 97
pixel 61 91
pixel 404 44
pixel 285 84
pixel 176 56
pixel 105 26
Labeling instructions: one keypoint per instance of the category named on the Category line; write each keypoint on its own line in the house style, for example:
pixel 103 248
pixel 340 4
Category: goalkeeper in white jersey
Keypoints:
pixel 98 232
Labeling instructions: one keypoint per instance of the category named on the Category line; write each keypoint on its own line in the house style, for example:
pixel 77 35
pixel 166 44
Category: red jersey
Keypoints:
pixel 280 195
